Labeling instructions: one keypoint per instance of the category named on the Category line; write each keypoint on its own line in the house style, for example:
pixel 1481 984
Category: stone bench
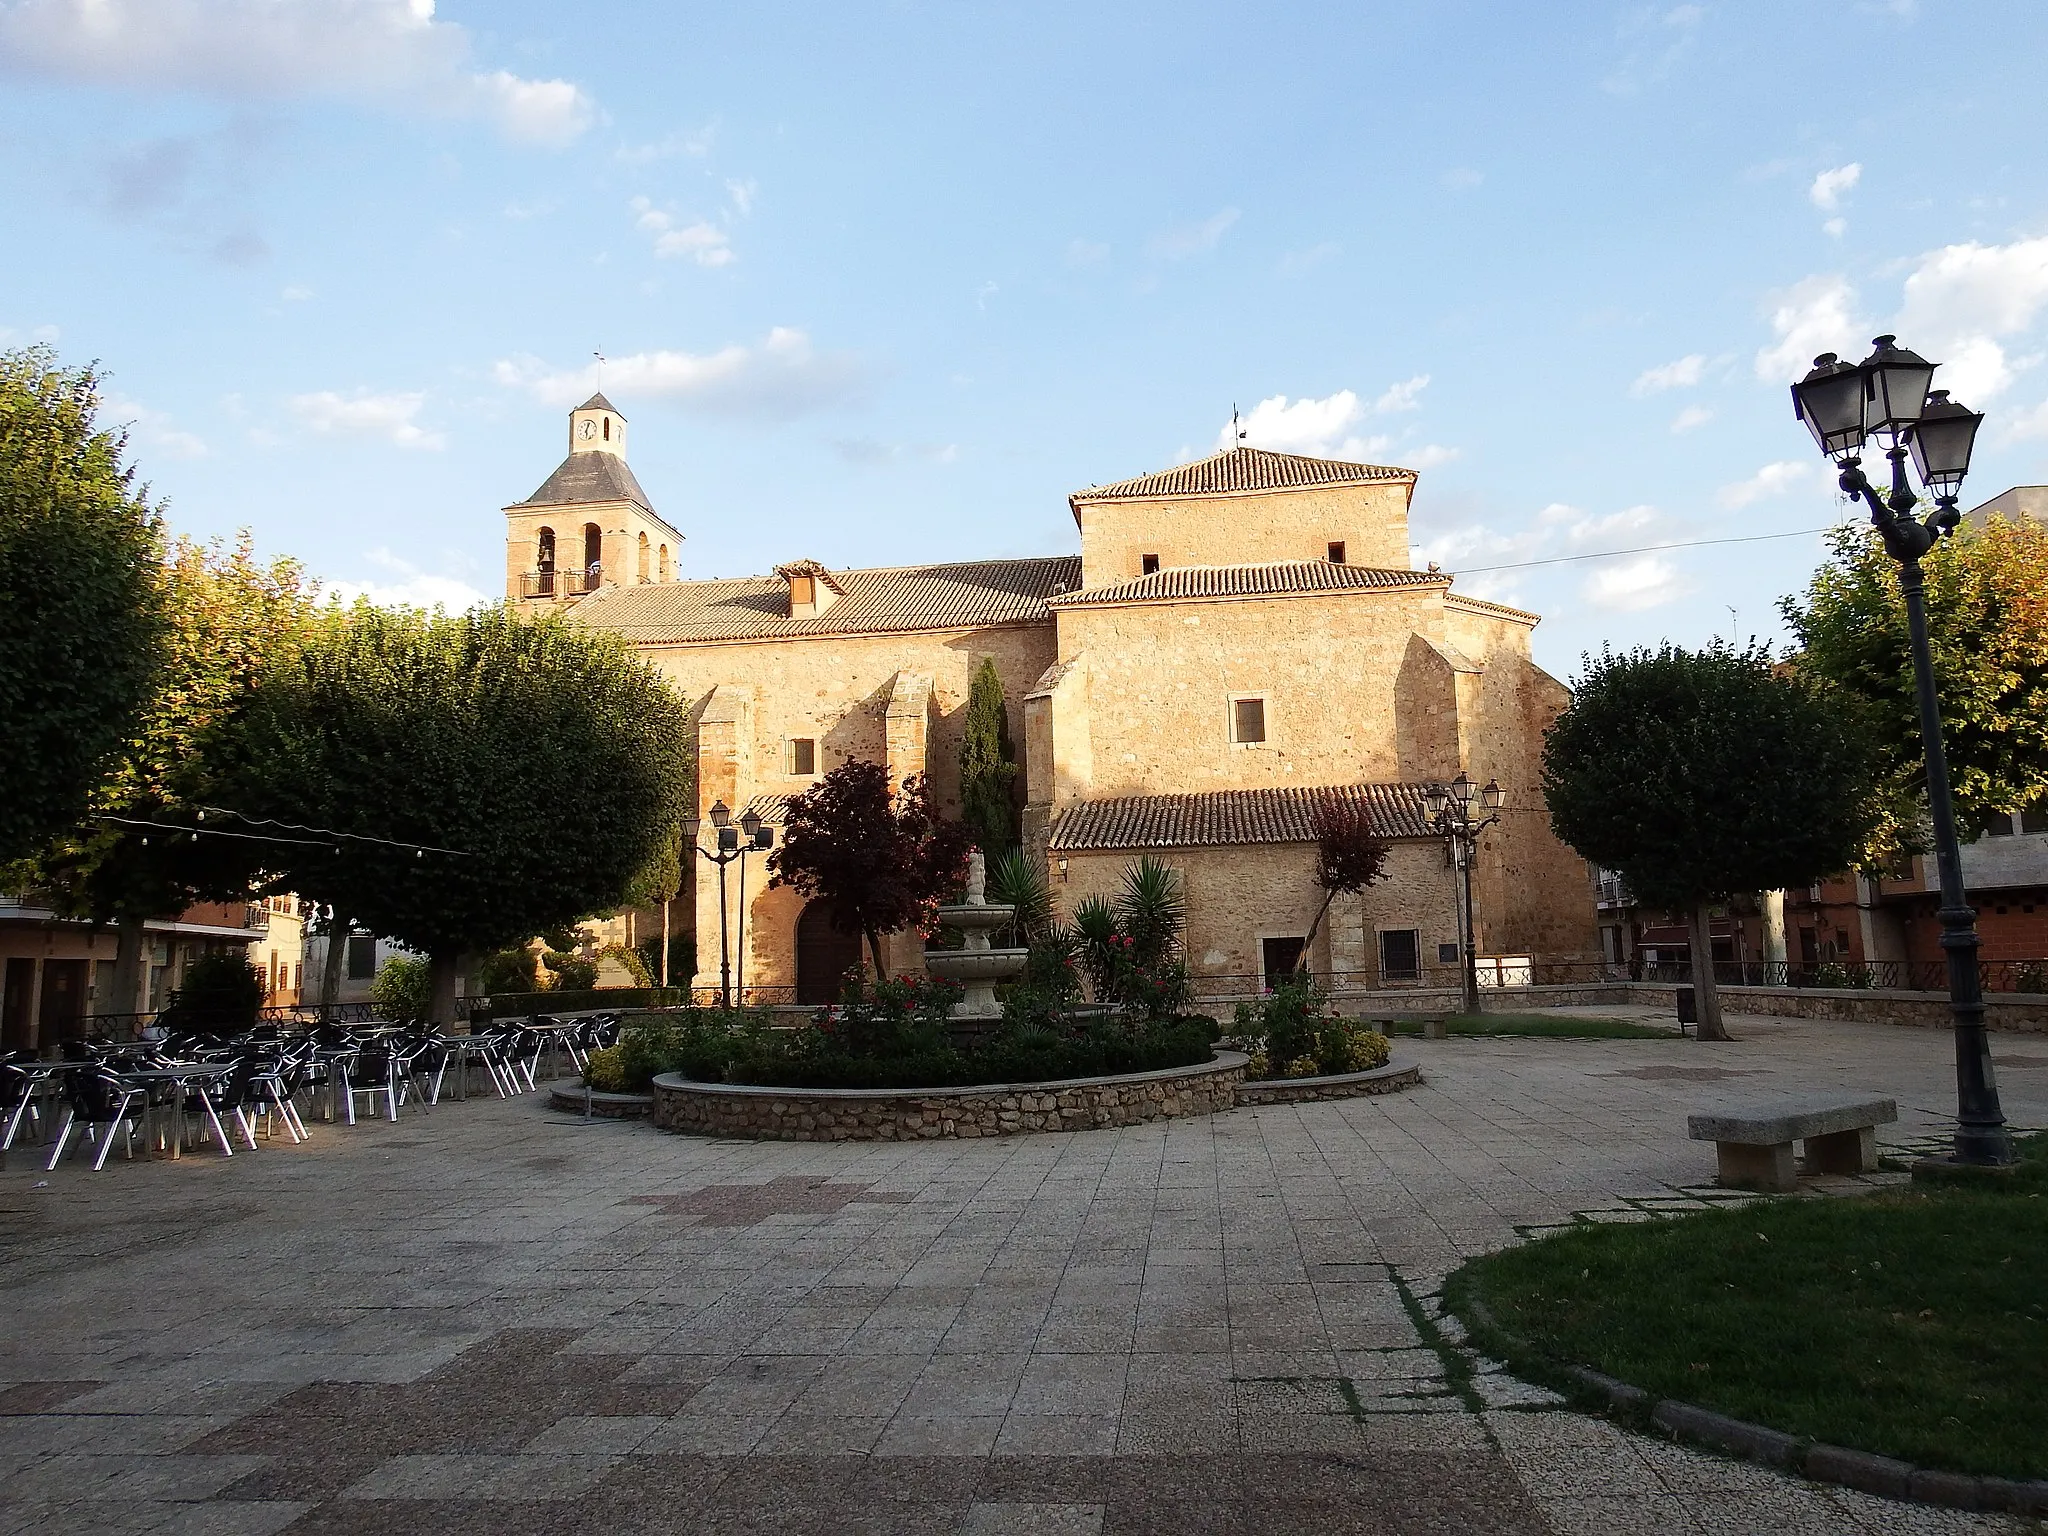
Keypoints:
pixel 1754 1142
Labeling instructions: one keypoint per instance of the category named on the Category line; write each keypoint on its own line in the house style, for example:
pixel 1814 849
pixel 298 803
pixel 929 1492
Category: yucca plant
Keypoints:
pixel 1014 881
pixel 1151 910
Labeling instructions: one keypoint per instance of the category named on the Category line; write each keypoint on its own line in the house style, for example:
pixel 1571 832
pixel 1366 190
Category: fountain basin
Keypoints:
pixel 977 964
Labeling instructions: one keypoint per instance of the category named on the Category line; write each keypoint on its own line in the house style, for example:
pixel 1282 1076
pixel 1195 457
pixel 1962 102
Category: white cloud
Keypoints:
pixel 1404 396
pixel 2027 423
pixel 152 428
pixel 1630 586
pixel 693 145
pixel 1835 227
pixel 1657 40
pixel 781 377
pixel 388 51
pixel 703 242
pixel 388 416
pixel 1315 427
pixel 1829 187
pixel 1193 239
pixel 1682 374
pixel 1328 427
pixel 742 193
pixel 1960 300
pixel 1814 315
pixel 1692 416
pixel 297 293
pixel 1772 480
pixel 1461 177
pixel 413 589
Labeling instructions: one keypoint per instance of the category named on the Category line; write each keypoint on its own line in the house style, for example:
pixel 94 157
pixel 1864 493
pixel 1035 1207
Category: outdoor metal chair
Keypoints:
pixel 97 1097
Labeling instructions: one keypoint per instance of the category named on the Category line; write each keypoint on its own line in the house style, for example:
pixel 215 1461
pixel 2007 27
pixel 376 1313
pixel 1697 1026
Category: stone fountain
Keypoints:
pixel 977 967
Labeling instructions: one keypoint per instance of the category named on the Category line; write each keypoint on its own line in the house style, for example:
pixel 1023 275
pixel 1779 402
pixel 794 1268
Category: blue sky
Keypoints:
pixel 883 283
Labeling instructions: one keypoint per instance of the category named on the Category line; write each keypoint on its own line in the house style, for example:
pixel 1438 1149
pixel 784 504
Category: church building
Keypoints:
pixel 1238 639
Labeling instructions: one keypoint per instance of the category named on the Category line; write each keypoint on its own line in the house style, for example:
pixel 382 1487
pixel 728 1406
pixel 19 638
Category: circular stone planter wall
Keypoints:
pixel 923 1114
pixel 1391 1078
pixel 603 1106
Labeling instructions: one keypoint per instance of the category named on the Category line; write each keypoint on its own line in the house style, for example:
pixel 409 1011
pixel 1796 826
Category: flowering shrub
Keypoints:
pixel 1292 1033
pixel 605 1070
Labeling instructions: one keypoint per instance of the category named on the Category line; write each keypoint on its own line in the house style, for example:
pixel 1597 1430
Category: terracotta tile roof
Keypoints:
pixel 1243 469
pixel 918 597
pixel 1275 579
pixel 1229 817
pixel 1494 610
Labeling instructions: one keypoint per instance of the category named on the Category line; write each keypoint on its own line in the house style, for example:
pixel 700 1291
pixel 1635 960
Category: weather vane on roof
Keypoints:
pixel 1236 431
pixel 598 353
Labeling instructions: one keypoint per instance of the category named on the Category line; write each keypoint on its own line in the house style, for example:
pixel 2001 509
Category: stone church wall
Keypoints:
pixel 1246 529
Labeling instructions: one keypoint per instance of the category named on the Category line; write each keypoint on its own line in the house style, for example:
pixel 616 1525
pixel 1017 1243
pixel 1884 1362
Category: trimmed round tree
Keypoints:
pixel 80 599
pixel 1700 775
pixel 547 758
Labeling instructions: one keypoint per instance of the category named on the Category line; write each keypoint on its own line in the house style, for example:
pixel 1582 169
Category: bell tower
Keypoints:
pixel 596 426
pixel 589 525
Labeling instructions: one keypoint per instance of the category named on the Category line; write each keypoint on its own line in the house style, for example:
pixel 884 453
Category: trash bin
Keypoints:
pixel 1688 1006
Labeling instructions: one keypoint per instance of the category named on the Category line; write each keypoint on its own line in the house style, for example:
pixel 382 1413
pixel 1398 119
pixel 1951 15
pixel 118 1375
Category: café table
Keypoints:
pixel 180 1076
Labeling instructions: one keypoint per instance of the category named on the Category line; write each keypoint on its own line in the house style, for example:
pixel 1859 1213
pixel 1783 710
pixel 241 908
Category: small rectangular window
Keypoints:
pixel 801 592
pixel 803 755
pixel 362 957
pixel 1400 954
pixel 1336 552
pixel 1998 823
pixel 1148 565
pixel 1247 720
pixel 2034 819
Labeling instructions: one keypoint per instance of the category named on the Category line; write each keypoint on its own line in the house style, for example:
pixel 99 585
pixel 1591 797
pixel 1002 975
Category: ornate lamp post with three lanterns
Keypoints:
pixel 1885 398
pixel 1460 811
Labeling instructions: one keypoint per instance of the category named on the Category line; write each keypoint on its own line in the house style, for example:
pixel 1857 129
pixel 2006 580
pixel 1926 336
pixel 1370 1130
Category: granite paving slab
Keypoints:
pixel 502 1320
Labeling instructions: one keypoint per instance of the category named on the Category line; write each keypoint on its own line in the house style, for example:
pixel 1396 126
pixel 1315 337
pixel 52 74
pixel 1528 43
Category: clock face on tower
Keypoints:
pixel 588 429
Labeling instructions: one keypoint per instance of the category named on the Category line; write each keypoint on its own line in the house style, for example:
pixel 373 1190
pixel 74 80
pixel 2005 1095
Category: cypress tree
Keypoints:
pixel 988 766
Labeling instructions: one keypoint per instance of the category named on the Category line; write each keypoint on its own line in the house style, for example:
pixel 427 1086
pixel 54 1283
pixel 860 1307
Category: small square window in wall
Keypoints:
pixel 1336 551
pixel 1248 720
pixel 1148 565
pixel 2034 819
pixel 803 755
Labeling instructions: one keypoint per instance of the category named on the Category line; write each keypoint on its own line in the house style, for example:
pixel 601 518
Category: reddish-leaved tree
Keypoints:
pixel 1349 857
pixel 879 861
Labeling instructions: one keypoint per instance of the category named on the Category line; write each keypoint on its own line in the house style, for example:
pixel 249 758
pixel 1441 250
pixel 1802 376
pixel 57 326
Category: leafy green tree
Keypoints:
pixel 880 861
pixel 221 994
pixel 227 618
pixel 537 763
pixel 80 600
pixel 403 989
pixel 988 766
pixel 1700 775
pixel 1987 619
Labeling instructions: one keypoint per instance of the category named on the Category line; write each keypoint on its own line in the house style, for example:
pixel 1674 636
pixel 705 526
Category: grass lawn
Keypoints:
pixel 1911 1323
pixel 1538 1024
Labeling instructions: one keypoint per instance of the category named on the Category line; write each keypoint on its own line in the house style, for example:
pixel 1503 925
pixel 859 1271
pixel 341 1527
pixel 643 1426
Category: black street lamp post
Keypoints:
pixel 1460 811
pixel 1886 398
pixel 732 845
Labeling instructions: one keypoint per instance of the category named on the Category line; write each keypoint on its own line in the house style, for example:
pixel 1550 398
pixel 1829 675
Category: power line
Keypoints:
pixel 354 837
pixel 1646 549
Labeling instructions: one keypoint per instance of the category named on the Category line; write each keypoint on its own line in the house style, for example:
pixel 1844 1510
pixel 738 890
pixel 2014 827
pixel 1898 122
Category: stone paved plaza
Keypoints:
pixel 497 1318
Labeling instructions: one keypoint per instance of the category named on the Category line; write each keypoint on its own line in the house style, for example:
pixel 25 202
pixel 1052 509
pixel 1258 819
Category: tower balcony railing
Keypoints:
pixel 554 582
